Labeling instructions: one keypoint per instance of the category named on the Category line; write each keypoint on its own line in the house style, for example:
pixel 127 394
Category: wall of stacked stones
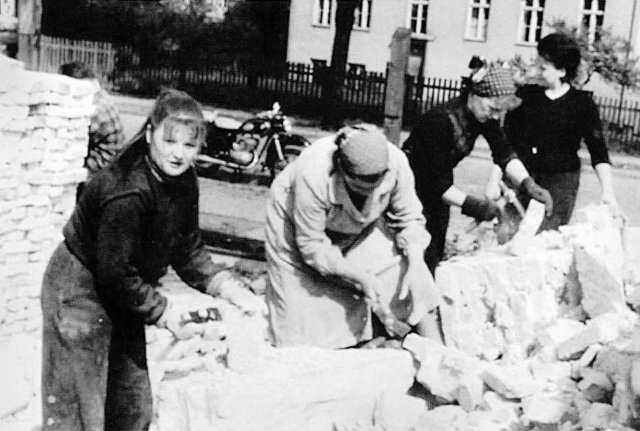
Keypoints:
pixel 44 120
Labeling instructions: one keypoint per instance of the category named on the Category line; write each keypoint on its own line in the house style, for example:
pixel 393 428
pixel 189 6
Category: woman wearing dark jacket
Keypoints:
pixel 546 131
pixel 447 134
pixel 99 290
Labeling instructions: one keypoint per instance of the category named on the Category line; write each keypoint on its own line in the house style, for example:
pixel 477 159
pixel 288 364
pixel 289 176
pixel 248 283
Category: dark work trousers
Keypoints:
pixel 563 188
pixel 94 374
pixel 437 214
pixel 564 191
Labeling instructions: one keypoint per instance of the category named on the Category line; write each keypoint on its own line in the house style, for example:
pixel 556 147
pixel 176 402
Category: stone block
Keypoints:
pixel 469 392
pixel 604 328
pixel 615 364
pixel 589 355
pixel 512 382
pixel 446 372
pixel 545 410
pixel 595 386
pixel 602 291
pixel 443 418
pixel 300 388
pixel 598 416
pixel 559 332
pixel 18 390
pixel 625 405
pixel 399 413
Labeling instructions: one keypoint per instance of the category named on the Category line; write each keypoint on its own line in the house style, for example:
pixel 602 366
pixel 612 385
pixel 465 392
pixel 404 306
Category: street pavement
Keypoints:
pixel 238 209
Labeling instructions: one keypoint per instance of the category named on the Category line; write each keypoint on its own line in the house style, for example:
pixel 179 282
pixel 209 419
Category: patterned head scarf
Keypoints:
pixel 497 83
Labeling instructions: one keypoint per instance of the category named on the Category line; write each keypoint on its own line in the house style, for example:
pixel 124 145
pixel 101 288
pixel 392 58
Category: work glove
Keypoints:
pixel 425 296
pixel 229 286
pixel 480 209
pixel 178 322
pixel 529 187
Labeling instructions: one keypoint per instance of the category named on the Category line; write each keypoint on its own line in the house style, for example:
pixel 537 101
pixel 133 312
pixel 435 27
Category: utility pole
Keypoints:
pixel 396 85
pixel 29 19
pixel 626 60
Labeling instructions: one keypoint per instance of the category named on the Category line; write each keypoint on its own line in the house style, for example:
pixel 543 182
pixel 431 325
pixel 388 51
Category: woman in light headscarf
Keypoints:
pixel 321 207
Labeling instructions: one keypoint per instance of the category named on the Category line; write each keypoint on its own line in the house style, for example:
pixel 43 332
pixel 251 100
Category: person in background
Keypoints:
pixel 106 137
pixel 134 218
pixel 547 128
pixel 318 208
pixel 447 134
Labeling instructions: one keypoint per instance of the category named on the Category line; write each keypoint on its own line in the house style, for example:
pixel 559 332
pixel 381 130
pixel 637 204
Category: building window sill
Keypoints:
pixel 527 44
pixel 420 36
pixel 366 30
pixel 320 25
pixel 471 39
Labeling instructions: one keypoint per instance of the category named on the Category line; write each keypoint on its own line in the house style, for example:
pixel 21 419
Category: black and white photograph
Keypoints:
pixel 319 215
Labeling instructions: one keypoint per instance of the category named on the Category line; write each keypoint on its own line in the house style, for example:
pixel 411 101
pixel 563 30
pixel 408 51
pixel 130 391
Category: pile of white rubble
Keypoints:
pixel 539 336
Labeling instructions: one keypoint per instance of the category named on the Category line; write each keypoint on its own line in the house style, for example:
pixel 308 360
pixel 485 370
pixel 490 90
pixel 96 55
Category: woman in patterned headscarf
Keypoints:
pixel 447 134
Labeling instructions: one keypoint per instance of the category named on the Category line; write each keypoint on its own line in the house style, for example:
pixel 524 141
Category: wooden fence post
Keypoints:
pixel 396 86
pixel 29 18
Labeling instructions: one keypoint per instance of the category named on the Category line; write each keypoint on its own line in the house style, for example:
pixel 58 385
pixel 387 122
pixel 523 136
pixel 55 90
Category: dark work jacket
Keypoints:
pixel 129 226
pixel 441 139
pixel 547 133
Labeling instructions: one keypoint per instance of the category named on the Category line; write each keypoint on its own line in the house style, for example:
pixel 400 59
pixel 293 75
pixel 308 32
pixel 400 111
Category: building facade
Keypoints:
pixel 446 33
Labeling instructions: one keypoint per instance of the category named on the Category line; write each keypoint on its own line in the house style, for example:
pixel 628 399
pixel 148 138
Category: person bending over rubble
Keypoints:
pixel 99 290
pixel 546 131
pixel 106 136
pixel 447 134
pixel 336 194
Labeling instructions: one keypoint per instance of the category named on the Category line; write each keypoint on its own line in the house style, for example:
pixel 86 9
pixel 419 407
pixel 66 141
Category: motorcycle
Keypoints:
pixel 264 142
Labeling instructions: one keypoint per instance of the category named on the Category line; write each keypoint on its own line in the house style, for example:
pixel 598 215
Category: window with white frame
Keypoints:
pixel 531 18
pixel 478 19
pixel 322 13
pixel 418 17
pixel 362 15
pixel 592 18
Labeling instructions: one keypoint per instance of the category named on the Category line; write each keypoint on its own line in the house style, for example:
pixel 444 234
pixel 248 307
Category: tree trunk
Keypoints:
pixel 333 85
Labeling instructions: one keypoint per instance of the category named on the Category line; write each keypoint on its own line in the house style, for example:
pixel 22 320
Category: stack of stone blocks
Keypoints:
pixel 44 122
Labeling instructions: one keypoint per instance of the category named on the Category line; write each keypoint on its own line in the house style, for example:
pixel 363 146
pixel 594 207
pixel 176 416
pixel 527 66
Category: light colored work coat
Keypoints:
pixel 310 222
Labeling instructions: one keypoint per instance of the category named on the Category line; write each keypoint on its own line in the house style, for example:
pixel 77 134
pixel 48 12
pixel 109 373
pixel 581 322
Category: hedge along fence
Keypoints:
pixel 297 86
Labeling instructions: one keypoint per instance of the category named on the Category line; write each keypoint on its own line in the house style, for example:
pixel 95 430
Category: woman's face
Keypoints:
pixel 484 108
pixel 175 143
pixel 363 185
pixel 548 75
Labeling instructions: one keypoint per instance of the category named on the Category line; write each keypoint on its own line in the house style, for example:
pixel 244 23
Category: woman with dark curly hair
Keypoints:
pixel 547 128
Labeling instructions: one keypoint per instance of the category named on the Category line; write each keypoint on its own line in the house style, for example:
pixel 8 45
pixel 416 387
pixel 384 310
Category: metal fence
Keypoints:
pixel 298 87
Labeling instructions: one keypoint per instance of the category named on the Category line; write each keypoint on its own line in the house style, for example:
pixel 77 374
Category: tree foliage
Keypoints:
pixel 608 56
pixel 175 31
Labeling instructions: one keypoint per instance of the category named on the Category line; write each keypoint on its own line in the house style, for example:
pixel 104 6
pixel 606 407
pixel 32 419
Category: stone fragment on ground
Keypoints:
pixel 510 381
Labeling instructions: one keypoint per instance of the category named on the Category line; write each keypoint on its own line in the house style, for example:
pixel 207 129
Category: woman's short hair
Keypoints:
pixel 562 51
pixel 171 102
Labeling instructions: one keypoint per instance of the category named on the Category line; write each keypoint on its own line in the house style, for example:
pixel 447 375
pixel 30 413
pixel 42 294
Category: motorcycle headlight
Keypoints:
pixel 287 125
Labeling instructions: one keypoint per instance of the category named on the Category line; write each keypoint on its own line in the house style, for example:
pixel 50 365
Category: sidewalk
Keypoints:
pixel 311 130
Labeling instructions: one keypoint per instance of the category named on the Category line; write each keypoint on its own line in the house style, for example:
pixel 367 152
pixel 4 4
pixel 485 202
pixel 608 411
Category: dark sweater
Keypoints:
pixel 442 138
pixel 547 133
pixel 129 226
